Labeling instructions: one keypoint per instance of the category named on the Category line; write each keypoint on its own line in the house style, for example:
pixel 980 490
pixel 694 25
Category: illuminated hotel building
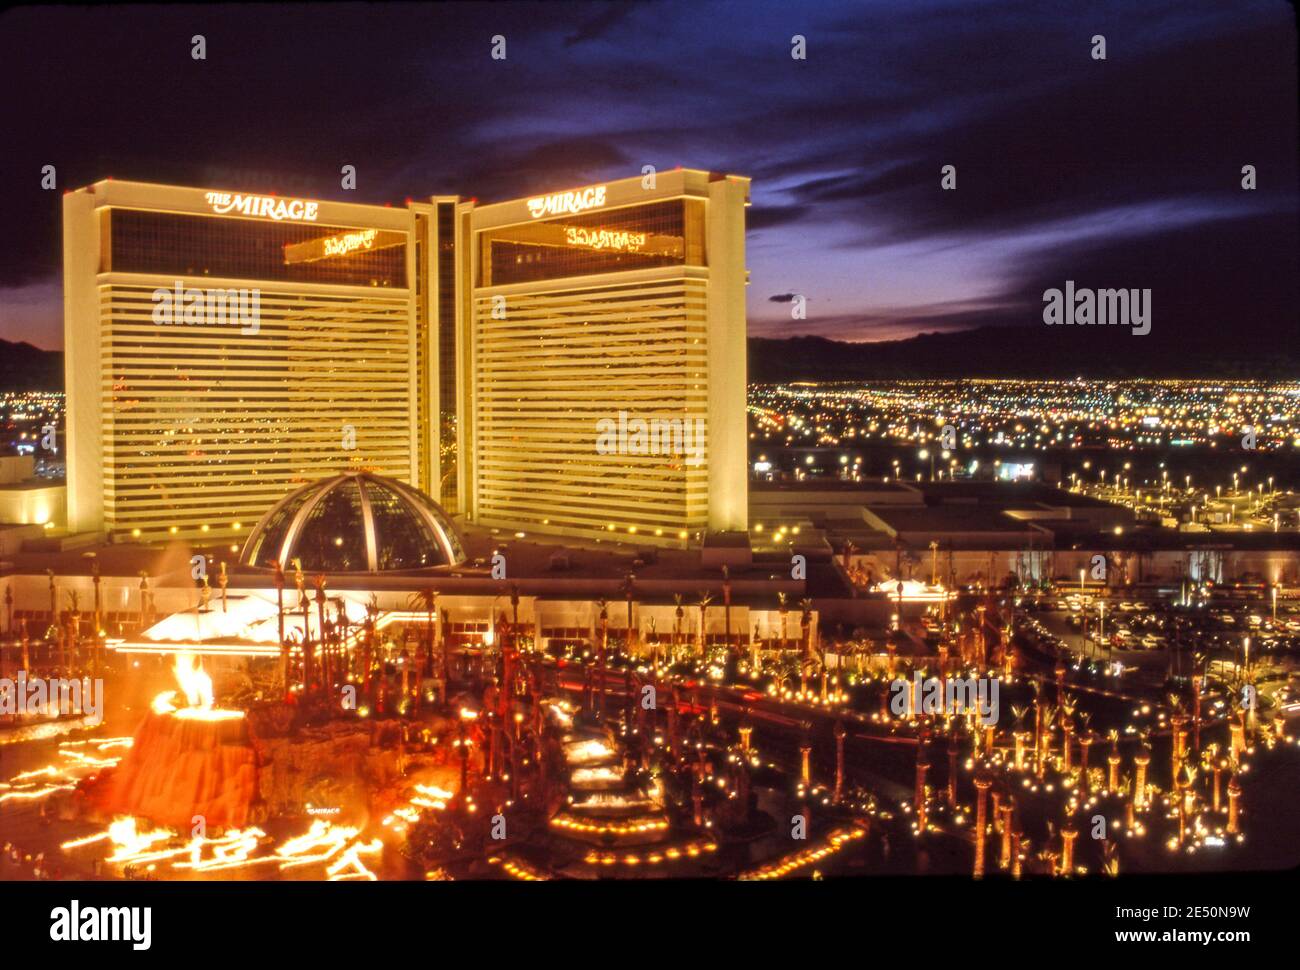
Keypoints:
pixel 194 424
pixel 477 352
pixel 617 308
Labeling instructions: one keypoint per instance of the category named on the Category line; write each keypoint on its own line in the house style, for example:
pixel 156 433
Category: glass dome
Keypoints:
pixel 355 523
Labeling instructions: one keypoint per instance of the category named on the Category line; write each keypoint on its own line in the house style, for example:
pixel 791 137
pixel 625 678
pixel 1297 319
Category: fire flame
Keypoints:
pixel 196 685
pixel 335 847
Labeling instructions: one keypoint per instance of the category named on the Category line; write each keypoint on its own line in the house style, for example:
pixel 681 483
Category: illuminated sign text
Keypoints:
pixel 567 203
pixel 261 205
pixel 344 244
pixel 341 245
pixel 628 242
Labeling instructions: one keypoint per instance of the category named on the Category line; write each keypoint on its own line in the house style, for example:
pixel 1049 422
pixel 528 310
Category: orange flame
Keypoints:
pixel 196 685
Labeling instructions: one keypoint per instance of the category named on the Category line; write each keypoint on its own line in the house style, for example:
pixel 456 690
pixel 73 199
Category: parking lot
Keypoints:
pixel 1156 635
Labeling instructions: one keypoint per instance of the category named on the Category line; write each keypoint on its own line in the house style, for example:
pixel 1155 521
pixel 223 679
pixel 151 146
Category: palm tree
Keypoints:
pixel 74 628
pixel 726 607
pixel 1085 718
pixel 784 610
pixel 444 637
pixel 1210 762
pixel 514 617
pixel 1065 711
pixel 805 625
pixel 600 656
pixel 368 650
pixel 144 599
pixel 1039 707
pixel 705 599
pixel 1198 678
pixel 1110 858
pixel 1018 714
pixel 319 583
pixel 629 592
pixel 679 614
pixel 342 629
pixel 427 600
pixel 304 605
pixel 222 582
pixel 279 605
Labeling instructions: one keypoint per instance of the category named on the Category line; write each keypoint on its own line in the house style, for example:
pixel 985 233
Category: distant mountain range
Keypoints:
pixel 1022 352
pixel 27 368
pixel 1015 352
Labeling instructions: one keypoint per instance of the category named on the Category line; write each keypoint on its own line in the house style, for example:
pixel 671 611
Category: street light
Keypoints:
pixel 923 455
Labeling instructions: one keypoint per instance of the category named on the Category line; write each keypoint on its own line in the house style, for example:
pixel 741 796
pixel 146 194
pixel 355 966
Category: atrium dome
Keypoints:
pixel 355 522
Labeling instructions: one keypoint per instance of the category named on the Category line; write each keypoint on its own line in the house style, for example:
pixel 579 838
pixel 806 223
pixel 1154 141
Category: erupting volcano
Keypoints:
pixel 196 760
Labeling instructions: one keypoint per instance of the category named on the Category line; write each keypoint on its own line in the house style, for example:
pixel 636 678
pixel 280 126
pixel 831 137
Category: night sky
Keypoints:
pixel 1117 173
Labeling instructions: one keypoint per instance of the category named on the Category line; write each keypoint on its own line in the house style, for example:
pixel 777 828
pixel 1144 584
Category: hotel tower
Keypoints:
pixel 572 363
pixel 605 359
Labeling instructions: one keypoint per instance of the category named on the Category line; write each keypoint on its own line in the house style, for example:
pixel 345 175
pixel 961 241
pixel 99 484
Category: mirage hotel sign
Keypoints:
pixel 262 205
pixel 567 203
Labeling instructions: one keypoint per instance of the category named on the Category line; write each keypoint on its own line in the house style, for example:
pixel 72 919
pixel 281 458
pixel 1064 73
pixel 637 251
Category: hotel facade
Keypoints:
pixel 223 347
pixel 605 360
pixel 571 364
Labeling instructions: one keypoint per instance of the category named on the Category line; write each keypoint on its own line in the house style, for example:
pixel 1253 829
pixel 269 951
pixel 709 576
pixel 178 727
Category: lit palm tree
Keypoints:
pixel 74 627
pixel 1085 718
pixel 600 656
pixel 426 600
pixel 1065 716
pixel 144 599
pixel 726 607
pixel 1210 756
pixel 304 605
pixel 629 593
pixel 1018 714
pixel 514 617
pixel 54 598
pixel 1047 713
pixel 805 625
pixel 678 614
pixel 319 583
pixel 342 630
pixel 279 605
pixel 368 648
pixel 705 599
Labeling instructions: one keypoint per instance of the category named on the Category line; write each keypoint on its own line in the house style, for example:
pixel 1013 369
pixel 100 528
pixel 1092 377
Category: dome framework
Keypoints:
pixel 355 522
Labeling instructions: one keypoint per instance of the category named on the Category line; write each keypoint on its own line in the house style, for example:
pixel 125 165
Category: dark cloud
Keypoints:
pixel 1223 284
pixel 845 148
pixel 896 324
pixel 1173 122
pixel 770 216
pixel 600 25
